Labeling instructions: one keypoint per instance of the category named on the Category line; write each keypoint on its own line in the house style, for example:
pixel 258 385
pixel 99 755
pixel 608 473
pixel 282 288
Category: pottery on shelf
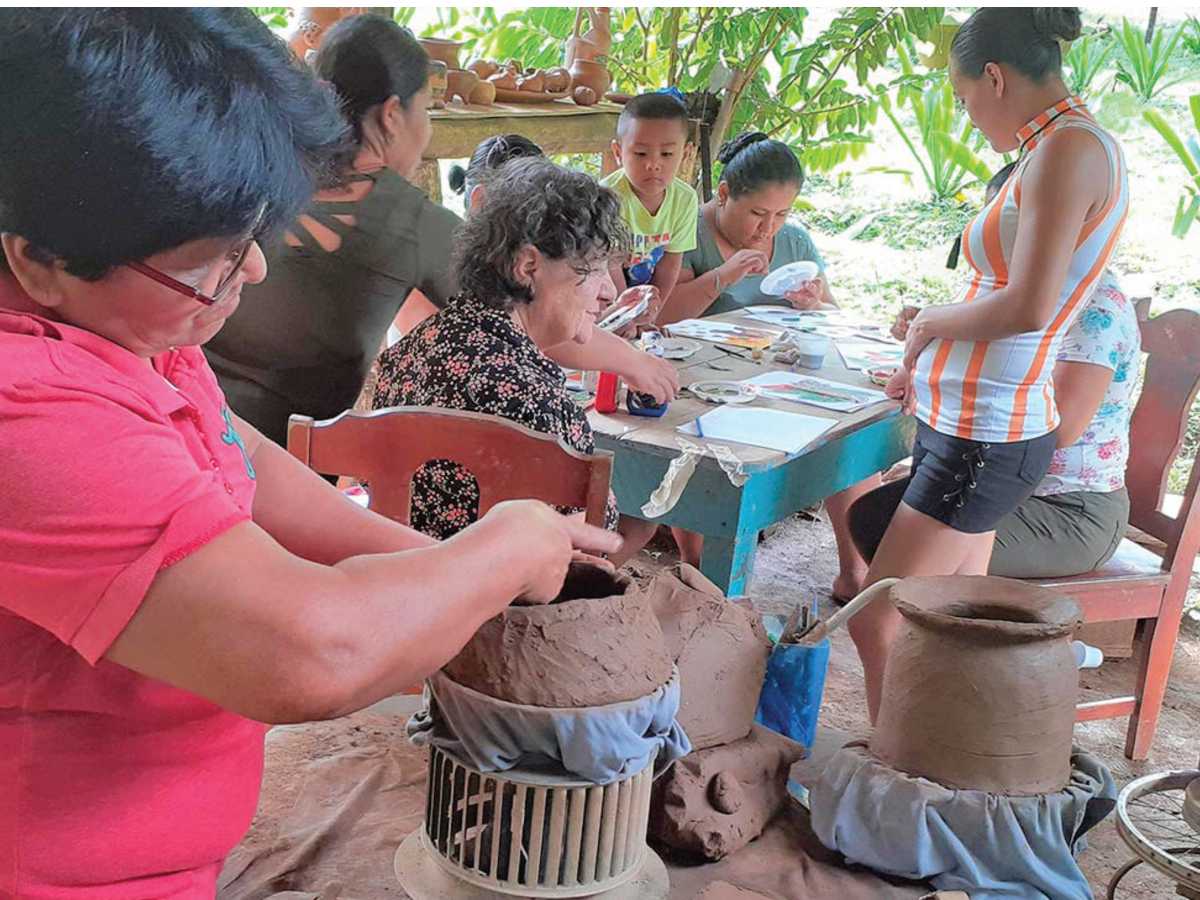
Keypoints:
pixel 460 83
pixel 980 687
pixel 483 94
pixel 586 73
pixel 439 48
pixel 437 83
pixel 599 643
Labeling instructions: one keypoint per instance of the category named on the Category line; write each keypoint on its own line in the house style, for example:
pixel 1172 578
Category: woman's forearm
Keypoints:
pixel 312 518
pixel 1000 314
pixel 691 299
pixel 602 352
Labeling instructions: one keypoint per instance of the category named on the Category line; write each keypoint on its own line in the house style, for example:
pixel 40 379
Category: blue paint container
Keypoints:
pixel 792 691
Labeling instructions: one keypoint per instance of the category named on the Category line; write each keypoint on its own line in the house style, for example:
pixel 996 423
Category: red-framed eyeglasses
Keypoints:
pixel 223 287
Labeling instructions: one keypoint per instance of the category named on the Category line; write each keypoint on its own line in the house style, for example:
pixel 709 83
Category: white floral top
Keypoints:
pixel 1105 334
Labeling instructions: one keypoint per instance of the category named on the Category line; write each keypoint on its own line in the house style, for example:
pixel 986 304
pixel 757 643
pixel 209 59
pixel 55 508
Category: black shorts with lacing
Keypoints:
pixel 972 485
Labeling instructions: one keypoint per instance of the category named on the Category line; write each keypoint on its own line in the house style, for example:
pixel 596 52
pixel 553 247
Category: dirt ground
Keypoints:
pixel 798 560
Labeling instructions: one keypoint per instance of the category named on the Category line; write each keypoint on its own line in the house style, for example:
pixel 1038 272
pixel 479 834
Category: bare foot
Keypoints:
pixel 848 585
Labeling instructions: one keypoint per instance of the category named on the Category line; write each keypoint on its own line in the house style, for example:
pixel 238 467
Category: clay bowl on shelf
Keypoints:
pixel 446 51
pixel 460 83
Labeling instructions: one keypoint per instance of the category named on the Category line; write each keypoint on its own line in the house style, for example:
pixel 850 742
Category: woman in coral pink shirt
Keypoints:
pixel 169 581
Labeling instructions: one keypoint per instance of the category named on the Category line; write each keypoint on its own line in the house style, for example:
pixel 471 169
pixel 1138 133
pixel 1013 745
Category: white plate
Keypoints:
pixel 678 348
pixel 789 278
pixel 625 310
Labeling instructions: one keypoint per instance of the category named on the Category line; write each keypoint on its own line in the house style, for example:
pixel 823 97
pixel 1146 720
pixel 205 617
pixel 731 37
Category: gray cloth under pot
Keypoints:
pixel 990 846
pixel 599 744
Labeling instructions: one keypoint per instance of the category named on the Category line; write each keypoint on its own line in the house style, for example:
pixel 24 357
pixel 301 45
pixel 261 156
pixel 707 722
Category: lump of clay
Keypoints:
pixel 597 643
pixel 721 649
pixel 714 802
pixel 584 96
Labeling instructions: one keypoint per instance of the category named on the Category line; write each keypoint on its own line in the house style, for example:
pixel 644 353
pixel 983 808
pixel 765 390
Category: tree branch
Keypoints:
pixel 686 56
pixel 836 67
pixel 673 43
pixel 637 12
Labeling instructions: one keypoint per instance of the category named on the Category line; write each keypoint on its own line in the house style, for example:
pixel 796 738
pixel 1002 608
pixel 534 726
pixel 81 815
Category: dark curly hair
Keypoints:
pixel 565 214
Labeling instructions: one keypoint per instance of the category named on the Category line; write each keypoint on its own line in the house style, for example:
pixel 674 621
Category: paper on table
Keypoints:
pixel 716 332
pixel 771 428
pixel 865 355
pixel 813 391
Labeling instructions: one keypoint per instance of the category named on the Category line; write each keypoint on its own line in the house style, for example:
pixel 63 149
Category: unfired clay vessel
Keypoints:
pixel 598 643
pixel 714 802
pixel 981 685
pixel 720 649
pixel 590 74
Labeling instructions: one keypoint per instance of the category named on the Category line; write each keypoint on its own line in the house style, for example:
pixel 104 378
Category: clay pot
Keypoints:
pixel 460 83
pixel 484 68
pixel 483 94
pixel 590 74
pixel 598 643
pixel 446 51
pixel 720 649
pixel 584 96
pixel 981 685
pixel 437 83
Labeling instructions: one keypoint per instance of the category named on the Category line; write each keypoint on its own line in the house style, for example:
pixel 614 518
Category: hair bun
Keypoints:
pixel 1058 23
pixel 457 178
pixel 736 145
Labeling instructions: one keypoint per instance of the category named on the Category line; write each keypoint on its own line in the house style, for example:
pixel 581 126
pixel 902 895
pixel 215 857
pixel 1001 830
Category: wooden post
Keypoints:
pixel 429 179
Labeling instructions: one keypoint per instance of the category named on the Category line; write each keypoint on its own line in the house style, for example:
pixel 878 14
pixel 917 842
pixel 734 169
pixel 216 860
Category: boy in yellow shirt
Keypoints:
pixel 660 210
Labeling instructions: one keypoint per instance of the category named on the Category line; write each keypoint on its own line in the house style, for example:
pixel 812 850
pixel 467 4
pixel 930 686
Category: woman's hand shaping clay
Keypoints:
pixel 545 543
pixel 903 320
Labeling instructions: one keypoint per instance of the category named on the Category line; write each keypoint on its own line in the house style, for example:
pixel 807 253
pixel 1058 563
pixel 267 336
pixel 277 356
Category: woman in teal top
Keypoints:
pixel 744 233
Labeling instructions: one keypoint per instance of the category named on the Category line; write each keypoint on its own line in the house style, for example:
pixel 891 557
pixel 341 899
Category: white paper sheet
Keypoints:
pixel 813 391
pixel 774 429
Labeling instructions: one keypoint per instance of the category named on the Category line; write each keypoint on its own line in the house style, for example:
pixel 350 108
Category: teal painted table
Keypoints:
pixel 731 516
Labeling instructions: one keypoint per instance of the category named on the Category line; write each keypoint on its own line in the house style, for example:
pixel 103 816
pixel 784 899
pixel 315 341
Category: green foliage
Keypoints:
pixel 1143 66
pixel 1190 41
pixel 1085 60
pixel 1188 207
pixel 272 16
pixel 811 90
pixel 944 144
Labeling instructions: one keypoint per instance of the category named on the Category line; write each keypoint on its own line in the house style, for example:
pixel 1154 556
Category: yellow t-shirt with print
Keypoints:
pixel 671 230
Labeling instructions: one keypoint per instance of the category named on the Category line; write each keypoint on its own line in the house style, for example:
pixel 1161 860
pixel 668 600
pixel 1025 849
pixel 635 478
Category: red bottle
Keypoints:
pixel 606 393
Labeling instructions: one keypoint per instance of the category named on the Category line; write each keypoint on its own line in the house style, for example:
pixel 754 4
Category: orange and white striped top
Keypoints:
pixel 1001 391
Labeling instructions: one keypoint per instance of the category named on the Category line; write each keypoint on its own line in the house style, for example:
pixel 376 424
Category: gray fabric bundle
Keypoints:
pixel 598 744
pixel 990 846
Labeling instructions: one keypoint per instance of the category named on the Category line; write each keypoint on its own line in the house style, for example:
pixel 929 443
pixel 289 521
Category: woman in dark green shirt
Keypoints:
pixel 304 339
pixel 744 233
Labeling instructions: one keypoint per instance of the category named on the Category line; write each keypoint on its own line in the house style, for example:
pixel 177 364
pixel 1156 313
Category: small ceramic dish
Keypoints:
pixel 881 375
pixel 723 391
pixel 678 348
pixel 789 278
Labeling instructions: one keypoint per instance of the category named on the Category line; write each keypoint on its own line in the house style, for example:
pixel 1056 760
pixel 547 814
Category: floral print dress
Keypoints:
pixel 474 357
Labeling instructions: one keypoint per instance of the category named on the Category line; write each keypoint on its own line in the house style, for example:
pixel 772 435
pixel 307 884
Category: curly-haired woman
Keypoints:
pixel 532 263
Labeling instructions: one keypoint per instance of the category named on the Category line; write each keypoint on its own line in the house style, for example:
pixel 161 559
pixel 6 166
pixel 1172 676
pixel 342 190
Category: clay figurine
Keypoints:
pixel 587 73
pixel 597 643
pixel 483 94
pixel 714 802
pixel 311 24
pixel 460 83
pixel 437 83
pixel 595 42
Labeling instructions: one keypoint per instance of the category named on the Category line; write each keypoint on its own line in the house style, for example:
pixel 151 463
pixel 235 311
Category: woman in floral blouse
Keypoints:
pixel 532 265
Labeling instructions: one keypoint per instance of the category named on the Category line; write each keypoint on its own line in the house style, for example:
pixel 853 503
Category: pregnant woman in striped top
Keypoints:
pixel 977 373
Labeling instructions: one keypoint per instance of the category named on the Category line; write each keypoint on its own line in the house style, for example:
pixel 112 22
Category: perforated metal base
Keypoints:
pixel 423 878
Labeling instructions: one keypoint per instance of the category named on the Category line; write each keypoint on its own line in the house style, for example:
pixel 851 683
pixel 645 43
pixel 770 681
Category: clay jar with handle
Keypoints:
pixel 981 685
pixel 598 643
pixel 591 74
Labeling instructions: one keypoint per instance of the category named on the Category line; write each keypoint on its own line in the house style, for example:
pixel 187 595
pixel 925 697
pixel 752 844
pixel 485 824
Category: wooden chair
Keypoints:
pixel 510 462
pixel 1138 583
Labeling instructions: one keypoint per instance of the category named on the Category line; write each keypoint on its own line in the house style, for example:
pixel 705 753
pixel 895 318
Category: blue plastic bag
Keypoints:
pixel 792 691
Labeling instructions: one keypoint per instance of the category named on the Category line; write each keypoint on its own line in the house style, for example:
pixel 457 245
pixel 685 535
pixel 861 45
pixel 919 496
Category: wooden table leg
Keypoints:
pixel 729 562
pixel 429 179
